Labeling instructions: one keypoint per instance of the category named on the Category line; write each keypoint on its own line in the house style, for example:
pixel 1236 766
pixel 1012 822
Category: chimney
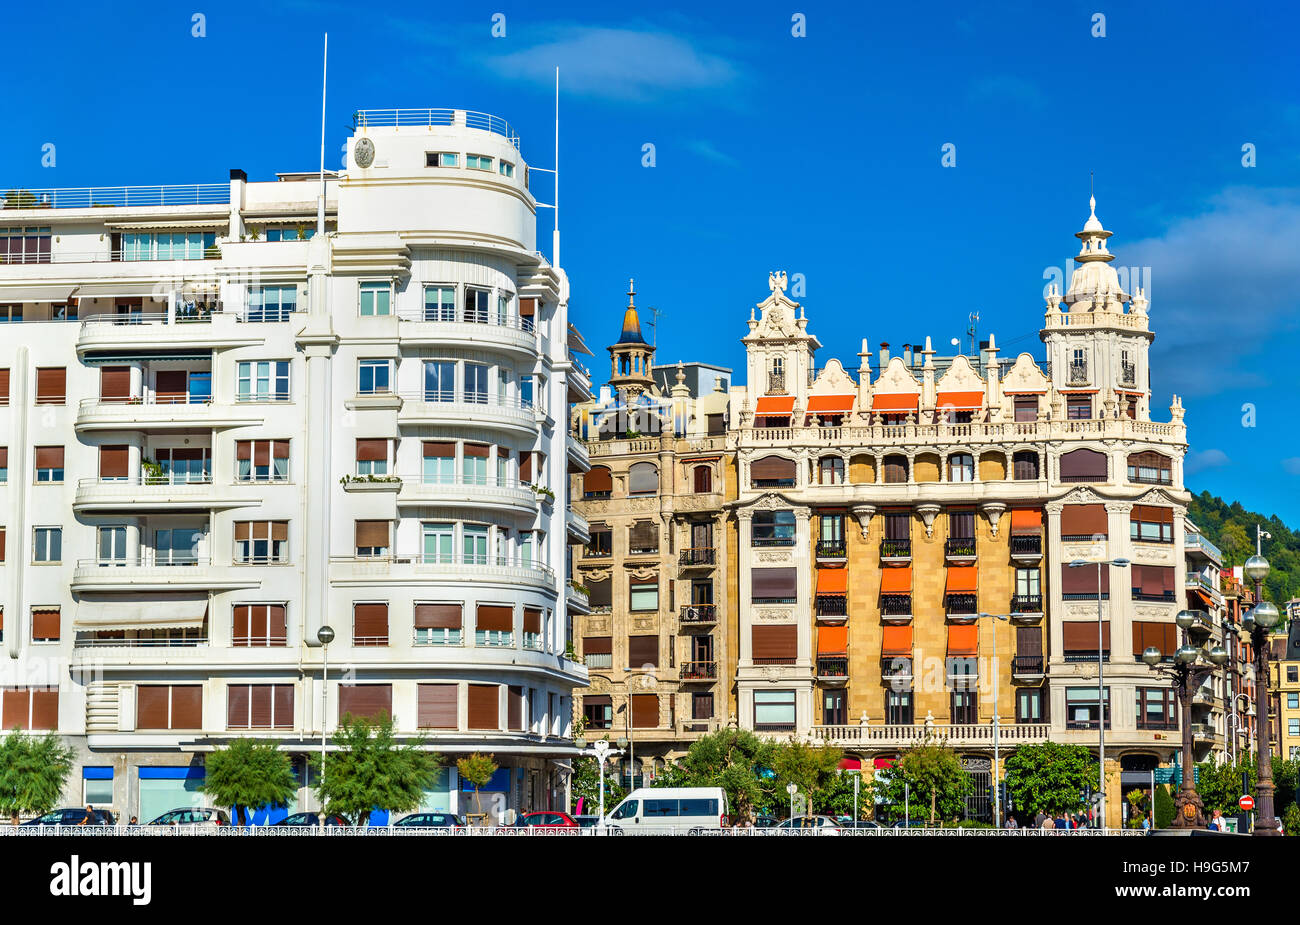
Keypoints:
pixel 907 355
pixel 884 354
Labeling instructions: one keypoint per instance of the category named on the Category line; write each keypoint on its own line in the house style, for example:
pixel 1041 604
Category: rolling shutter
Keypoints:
pixel 115 383
pixel 151 706
pixel 369 624
pixel 527 307
pixel 46 624
pixel 372 451
pixel 372 533
pixel 532 620
pixel 438 616
pixel 645 711
pixel 365 700
pixel 484 706
pixel 525 465
pixel 51 385
pixel 1152 514
pixel 774 583
pixel 775 642
pixel 1029 640
pixel 599 593
pixel 437 706
pixel 515 708
pixel 477 451
pixel 1084 520
pixel 772 468
pixel 1083 465
pixel 1153 580
pixel 1084 580
pixel 45 709
pixel 1082 636
pixel 187 706
pixel 645 535
pixel 171 383
pixel 495 617
pixel 436 449
pixel 642 650
pixel 596 480
pixel 1164 636
pixel 113 462
pixel 237 700
pixel 49 457
pixel 4 386
pixel 597 645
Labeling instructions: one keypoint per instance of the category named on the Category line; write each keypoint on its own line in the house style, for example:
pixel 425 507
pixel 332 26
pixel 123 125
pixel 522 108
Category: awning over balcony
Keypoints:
pixel 832 581
pixel 775 405
pixel 1026 520
pixel 850 764
pixel 960 401
pixel 896 580
pixel 832 640
pixel 962 579
pixel 897 641
pixel 172 611
pixel 830 404
pixel 964 640
pixel 115 359
pixel 34 293
pixel 895 403
pixel 122 288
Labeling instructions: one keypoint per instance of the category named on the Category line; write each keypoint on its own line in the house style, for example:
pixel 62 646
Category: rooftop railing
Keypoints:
pixel 89 197
pixel 384 118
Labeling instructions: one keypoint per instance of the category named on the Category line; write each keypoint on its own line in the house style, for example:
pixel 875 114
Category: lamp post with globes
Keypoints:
pixel 601 751
pixel 1191 663
pixel 1259 622
pixel 324 635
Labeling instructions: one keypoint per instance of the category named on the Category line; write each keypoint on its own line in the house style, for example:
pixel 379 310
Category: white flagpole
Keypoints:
pixel 555 235
pixel 320 204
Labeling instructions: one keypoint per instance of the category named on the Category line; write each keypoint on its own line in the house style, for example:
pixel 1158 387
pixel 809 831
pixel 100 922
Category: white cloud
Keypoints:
pixel 706 150
pixel 1292 465
pixel 1200 460
pixel 612 63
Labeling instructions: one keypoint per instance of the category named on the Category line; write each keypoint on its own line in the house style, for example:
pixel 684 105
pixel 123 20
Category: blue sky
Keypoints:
pixel 818 155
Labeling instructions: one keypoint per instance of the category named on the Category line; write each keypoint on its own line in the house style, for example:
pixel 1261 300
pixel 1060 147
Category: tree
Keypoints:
pixel 1219 785
pixel 33 770
pixel 737 761
pixel 837 799
pixel 478 770
pixel 586 784
pixel 247 774
pixel 1137 807
pixel 1048 778
pixel 933 774
pixel 1164 807
pixel 371 770
pixel 811 768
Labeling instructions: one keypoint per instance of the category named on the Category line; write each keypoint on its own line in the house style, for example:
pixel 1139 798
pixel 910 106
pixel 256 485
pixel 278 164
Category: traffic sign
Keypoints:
pixel 1247 802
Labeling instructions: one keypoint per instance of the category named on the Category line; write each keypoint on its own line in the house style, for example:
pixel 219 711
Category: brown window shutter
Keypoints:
pixel 703 476
pixel 642 650
pixel 365 700
pixel 282 702
pixel 597 645
pixel 1084 580
pixel 438 616
pixel 49 457
pixel 371 533
pixel 1084 520
pixel 515 709
pixel 4 457
pixel 774 583
pixel 45 709
pixel 171 383
pixel 781 641
pixel 1084 464
pixel 484 706
pixel 435 449
pixel 370 624
pixel 2 558
pixel 771 468
pixel 187 706
pixel 495 618
pixel 1163 636
pixel 260 705
pixel 262 453
pixel 525 466
pixel 45 625
pixel 1153 579
pixel 477 450
pixel 1082 636
pixel 277 623
pixel 4 390
pixel 437 706
pixel 532 620
pixel 243 449
pixel 112 462
pixel 257 627
pixel 115 383
pixel 1029 640
pixel 644 535
pixel 599 593
pixel 280 449
pixel 645 711
pixel 237 705
pixel 242 530
pixel 16 708
pixel 527 307
pixel 597 479
pixel 372 450
pixel 279 529
pixel 51 385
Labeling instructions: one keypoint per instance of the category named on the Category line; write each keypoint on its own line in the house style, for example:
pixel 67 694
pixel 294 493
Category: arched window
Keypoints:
pixel 830 470
pixel 643 479
pixel 1150 468
pixel 703 476
pixel 1025 463
pixel 1083 465
pixel 895 469
pixel 597 483
pixel 961 467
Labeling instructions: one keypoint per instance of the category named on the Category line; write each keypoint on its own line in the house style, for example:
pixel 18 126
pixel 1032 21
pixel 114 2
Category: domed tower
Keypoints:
pixel 1097 343
pixel 631 359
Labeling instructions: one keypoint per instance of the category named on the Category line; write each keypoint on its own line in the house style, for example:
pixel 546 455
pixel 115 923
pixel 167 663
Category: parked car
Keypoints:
pixel 910 824
pixel 73 817
pixel 313 819
pixel 765 822
pixel 548 819
pixel 860 824
pixel 669 807
pixel 587 822
pixel 824 825
pixel 205 816
pixel 431 821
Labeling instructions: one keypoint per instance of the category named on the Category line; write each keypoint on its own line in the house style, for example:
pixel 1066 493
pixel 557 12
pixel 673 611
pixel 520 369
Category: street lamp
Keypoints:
pixel 997 792
pixel 792 790
pixel 1191 663
pixel 1102 703
pixel 601 751
pixel 324 635
pixel 1262 618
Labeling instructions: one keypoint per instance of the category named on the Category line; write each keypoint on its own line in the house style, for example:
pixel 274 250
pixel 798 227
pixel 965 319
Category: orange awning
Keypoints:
pixel 964 640
pixel 832 581
pixel 1206 598
pixel 961 579
pixel 832 640
pixel 831 404
pixel 898 641
pixel 960 401
pixel 775 404
pixel 895 402
pixel 1024 391
pixel 896 580
pixel 1026 520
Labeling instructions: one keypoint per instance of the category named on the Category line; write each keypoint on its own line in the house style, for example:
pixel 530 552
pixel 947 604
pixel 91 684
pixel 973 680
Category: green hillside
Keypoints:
pixel 1232 528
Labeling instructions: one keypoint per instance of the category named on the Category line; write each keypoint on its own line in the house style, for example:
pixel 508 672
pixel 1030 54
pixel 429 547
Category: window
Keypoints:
pixel 961 467
pixel 169 706
pixel 643 479
pixel 48 545
pixel 597 483
pixel 271 303
pixel 371 538
pixel 1155 708
pixel 895 469
pixel 774 711
pixel 773 528
pixel 11 314
pixel 532 628
pixel 963 708
pixel 1025 465
pixel 439 462
pixel 645 713
pixel 46 624
pixel 961 525
pixel 97 786
pixel 642 651
pixel 180 465
pixel 478 162
pixel 49 464
pixel 373 377
pixel 372 457
pixel 702 705
pixel 773 472
pixel 476 383
pixel 898 708
pixel 370 624
pixel 830 470
pixel 262 460
pixel 703 479
pixel 1151 524
pixel 1078 407
pixel 177 245
pixel 643 538
pixel 441 159
pixel 439 380
pixel 1082 709
pixel 263 541
pixel 25 245
pixel 1029 705
pixel 259 626
pixel 51 385
pixel 1150 469
pixel 4 464
pixel 834 708
pixel 439 541
pixel 28 708
pixel 476 305
pixel 474 544
pixel 1027 583
pixel 301 233
pixel 832 528
pixel 717 424
pixel 112 546
pixel 177 546
pixel 494 625
pixel 259 706
pixel 1026 408
pixel 474 465
pixel 4 384
pixel 1293 701
pixel 262 380
pixel 774 585
pixel 439 303
pixel 438 624
pixel 1291 673
pixel 365 700
pixel 506 169
pixel 643 596
pixel 1293 727
pixel 1153 582
pixel 601 544
pixel 376 299
pixel 1078 372
pixel 1083 465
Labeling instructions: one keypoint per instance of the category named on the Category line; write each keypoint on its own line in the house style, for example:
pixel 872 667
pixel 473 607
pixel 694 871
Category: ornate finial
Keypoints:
pixel 681 373
pixel 631 291
pixel 776 280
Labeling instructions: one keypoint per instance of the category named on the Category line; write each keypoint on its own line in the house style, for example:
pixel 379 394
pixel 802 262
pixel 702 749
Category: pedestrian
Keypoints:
pixel 1216 821
pixel 1146 822
pixel 1047 823
pixel 1038 819
pixel 135 820
pixel 89 817
pixel 1011 823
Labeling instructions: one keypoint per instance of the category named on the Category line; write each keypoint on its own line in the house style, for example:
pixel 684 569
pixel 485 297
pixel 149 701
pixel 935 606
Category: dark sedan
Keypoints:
pixel 313 819
pixel 74 817
pixel 431 821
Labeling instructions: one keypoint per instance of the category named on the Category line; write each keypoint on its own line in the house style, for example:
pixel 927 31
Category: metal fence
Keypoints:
pixel 173 831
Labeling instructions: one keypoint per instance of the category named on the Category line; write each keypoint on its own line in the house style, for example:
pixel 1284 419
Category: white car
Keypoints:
pixel 824 825
pixel 693 809
pixel 197 816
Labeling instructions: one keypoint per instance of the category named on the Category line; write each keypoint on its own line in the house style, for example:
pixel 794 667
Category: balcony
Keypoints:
pixel 883 735
pixel 896 550
pixel 433 327
pixel 1028 667
pixel 962 607
pixel 154 412
pixel 432 408
pixel 698 615
pixel 576 598
pixel 453 571
pixel 1205 732
pixel 131 332
pixel 895 669
pixel 1078 373
pixel 150 573
pixel 1127 374
pixel 959 549
pixel 697 557
pixel 835 550
pixel 896 608
pixel 832 607
pixel 833 669
pixel 1026 547
pixel 699 671
pixel 578 455
pixel 1026 608
pixel 771 541
pixel 166 493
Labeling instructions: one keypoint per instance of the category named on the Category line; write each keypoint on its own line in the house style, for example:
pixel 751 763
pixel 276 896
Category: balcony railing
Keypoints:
pixel 599 660
pixel 1078 372
pixel 959 547
pixel 699 613
pixel 1127 373
pixel 896 605
pixel 779 660
pixel 697 555
pixel 895 668
pixel 896 549
pixel 439 314
pixel 772 541
pixel 699 671
pixel 962 605
pixel 1027 665
pixel 1026 544
pixel 86 197
pixel 368 118
pixel 832 667
pixel 832 605
pixel 1027 603
pixel 436 636
pixel 884 734
pixel 91 641
pixel 1164 725
pixel 831 549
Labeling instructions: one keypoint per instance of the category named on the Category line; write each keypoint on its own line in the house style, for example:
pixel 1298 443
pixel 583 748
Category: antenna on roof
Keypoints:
pixel 654 323
pixel 320 202
pixel 974 319
pixel 555 234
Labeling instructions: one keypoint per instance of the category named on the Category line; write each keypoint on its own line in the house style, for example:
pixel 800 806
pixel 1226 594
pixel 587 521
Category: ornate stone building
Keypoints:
pixel 658 568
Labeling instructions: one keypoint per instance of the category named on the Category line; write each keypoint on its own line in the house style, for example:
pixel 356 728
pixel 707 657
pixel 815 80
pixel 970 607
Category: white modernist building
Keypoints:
pixel 223 430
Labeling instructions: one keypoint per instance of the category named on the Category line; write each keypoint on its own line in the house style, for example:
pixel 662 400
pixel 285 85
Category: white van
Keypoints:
pixel 651 808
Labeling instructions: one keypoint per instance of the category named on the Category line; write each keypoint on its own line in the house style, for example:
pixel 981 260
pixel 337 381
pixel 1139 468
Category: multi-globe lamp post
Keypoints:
pixel 1259 622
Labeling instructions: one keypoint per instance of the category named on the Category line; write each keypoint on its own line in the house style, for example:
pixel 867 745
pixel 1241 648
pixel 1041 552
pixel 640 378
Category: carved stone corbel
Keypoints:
pixel 993 510
pixel 864 513
pixel 928 513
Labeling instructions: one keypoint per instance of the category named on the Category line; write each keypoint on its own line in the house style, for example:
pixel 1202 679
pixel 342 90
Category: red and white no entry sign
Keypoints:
pixel 1247 803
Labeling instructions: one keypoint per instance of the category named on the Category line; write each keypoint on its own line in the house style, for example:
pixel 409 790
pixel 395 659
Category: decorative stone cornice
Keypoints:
pixel 864 513
pixel 993 510
pixel 928 512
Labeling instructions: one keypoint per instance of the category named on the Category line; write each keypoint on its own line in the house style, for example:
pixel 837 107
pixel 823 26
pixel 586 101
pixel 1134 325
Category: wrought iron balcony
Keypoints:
pixel 896 605
pixel 699 614
pixel 962 605
pixel 1127 373
pixel 771 540
pixel 833 667
pixel 1027 603
pixel 831 549
pixel 1028 545
pixel 1027 666
pixel 832 605
pixel 959 547
pixel 699 671
pixel 697 556
pixel 896 549
pixel 1078 372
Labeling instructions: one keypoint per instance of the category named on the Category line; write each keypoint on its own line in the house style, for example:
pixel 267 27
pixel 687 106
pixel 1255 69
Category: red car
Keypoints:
pixel 546 820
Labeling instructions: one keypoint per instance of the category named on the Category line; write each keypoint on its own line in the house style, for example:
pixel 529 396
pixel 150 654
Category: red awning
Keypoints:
pixel 896 402
pixel 831 404
pixel 881 763
pixel 775 404
pixel 960 401
pixel 850 764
